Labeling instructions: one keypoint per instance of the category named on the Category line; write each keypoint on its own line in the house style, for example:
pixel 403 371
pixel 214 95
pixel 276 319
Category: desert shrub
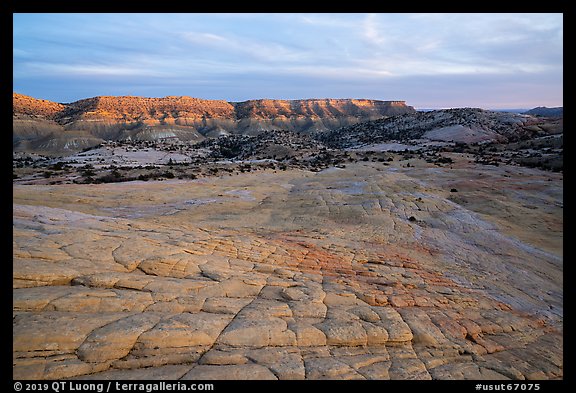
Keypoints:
pixel 113 177
pixel 444 160
pixel 88 173
pixel 58 166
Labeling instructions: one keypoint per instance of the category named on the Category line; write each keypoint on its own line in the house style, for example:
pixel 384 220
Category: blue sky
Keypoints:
pixel 428 60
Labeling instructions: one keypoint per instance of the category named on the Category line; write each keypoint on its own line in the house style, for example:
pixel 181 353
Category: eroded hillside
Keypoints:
pixel 50 128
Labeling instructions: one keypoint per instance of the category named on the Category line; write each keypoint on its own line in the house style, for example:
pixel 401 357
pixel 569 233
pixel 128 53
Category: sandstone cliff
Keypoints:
pixel 28 106
pixel 182 118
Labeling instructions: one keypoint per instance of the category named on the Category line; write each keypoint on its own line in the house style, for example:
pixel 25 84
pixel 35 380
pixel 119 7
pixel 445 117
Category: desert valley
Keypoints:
pixel 186 239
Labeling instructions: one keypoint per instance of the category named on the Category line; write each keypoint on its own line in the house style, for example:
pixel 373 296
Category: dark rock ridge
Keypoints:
pixel 546 112
pixel 466 125
pixel 48 127
pixel 277 145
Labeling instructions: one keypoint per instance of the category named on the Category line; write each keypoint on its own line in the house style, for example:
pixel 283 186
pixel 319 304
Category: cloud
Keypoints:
pixel 204 38
pixel 268 51
pixel 289 52
pixel 371 31
pixel 337 21
pixel 472 43
pixel 93 70
pixel 21 53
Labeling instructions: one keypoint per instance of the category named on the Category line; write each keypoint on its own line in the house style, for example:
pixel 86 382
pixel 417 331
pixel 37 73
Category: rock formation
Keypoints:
pixel 292 275
pixel 464 125
pixel 285 255
pixel 545 111
pixel 37 122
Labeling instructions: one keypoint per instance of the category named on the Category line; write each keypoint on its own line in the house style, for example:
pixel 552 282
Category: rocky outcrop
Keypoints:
pixel 546 112
pixel 28 106
pixel 151 111
pixel 465 125
pixel 281 145
pixel 187 118
pixel 197 112
pixel 293 275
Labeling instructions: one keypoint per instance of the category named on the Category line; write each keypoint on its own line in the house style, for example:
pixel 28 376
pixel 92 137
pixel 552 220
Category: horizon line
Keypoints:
pixel 422 107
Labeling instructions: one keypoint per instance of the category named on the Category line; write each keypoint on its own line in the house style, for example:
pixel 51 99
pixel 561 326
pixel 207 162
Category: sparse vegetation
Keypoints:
pixel 282 150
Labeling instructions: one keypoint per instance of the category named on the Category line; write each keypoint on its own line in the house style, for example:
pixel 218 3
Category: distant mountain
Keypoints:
pixel 52 128
pixel 509 110
pixel 546 112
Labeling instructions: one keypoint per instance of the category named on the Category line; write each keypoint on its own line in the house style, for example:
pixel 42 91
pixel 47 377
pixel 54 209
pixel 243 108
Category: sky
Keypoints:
pixel 491 61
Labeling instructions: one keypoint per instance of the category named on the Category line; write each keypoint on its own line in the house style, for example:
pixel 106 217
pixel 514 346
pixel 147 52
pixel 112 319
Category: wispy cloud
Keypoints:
pixel 371 30
pixel 204 38
pixel 89 70
pixel 337 21
pixel 268 51
pixel 287 52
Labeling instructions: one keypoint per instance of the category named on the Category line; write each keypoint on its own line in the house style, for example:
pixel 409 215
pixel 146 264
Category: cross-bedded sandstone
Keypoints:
pixel 315 276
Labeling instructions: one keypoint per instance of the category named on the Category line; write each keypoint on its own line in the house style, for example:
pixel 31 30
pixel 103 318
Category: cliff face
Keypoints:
pixel 206 114
pixel 319 108
pixel 134 109
pixel 185 118
pixel 27 106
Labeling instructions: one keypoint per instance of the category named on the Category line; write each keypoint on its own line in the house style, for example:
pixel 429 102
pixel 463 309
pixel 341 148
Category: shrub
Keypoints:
pixel 88 173
pixel 444 160
pixel 58 166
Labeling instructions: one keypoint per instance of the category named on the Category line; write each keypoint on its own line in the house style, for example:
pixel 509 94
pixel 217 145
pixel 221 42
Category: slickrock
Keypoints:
pixel 326 278
pixel 232 372
pixel 115 340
